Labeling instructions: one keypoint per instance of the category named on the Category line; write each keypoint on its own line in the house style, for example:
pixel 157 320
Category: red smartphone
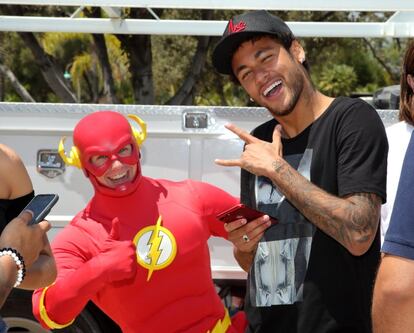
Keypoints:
pixel 241 211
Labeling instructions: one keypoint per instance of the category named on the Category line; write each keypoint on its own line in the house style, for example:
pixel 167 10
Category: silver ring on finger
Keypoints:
pixel 245 238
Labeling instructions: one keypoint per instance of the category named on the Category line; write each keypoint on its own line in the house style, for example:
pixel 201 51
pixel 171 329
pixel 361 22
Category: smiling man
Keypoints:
pixel 319 167
pixel 139 248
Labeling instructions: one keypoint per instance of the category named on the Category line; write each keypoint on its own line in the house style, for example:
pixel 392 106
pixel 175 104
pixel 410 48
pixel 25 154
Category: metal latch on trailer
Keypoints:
pixel 49 163
pixel 195 120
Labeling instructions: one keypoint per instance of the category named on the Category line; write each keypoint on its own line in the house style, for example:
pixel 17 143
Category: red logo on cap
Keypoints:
pixel 236 28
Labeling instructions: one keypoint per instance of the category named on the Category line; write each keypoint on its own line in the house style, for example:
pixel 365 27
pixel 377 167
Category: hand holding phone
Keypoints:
pixel 241 211
pixel 41 205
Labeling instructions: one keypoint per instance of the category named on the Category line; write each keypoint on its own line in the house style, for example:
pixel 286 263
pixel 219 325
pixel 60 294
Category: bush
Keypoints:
pixel 337 80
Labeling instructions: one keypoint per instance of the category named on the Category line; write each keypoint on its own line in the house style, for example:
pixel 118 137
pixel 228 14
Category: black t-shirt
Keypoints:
pixel 10 208
pixel 302 280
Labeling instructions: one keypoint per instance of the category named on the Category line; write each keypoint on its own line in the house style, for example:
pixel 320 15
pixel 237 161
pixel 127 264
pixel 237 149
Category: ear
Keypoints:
pixel 297 51
pixel 410 81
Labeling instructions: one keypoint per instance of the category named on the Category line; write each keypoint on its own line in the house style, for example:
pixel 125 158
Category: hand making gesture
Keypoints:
pixel 259 157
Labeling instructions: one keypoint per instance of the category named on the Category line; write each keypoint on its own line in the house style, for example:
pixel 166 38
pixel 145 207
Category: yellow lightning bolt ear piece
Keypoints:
pixel 73 158
pixel 139 136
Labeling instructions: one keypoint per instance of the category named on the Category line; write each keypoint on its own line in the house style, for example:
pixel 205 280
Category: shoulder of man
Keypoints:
pixel 353 103
pixel 355 111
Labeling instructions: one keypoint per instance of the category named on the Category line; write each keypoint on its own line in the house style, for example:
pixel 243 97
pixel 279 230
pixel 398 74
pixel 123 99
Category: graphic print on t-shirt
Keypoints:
pixel 283 253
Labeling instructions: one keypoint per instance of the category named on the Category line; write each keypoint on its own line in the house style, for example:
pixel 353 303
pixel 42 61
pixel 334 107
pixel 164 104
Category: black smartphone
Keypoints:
pixel 41 205
pixel 240 211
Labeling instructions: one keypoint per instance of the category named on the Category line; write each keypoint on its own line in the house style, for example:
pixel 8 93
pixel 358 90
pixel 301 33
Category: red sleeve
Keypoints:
pixel 213 200
pixel 87 258
pixel 79 278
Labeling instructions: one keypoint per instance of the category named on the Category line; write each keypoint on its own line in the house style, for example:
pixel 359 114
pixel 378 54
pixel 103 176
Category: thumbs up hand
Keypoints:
pixel 117 258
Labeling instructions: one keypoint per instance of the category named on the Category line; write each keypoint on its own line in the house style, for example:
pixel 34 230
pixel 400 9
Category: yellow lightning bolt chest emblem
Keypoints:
pixel 156 247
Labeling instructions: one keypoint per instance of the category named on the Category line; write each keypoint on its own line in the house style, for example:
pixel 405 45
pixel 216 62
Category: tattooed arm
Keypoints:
pixel 352 221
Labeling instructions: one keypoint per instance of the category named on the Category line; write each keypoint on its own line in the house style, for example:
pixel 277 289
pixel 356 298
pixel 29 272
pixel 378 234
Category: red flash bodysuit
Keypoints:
pixel 138 252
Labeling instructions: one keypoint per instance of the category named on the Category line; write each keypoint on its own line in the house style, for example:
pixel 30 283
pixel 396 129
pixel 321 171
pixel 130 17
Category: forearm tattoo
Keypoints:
pixel 352 220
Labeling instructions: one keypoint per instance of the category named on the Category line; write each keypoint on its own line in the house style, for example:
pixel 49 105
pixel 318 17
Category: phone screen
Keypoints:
pixel 40 205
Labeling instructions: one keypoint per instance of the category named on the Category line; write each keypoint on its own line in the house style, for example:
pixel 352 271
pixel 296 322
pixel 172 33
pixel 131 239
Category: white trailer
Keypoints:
pixel 182 143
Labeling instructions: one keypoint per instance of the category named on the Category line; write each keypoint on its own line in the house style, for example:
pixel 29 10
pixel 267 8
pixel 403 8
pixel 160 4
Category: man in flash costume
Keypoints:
pixel 139 248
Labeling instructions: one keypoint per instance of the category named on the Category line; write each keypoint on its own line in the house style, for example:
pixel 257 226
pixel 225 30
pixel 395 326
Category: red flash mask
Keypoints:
pixel 105 133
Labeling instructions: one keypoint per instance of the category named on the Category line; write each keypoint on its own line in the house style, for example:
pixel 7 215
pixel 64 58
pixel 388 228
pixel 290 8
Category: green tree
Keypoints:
pixel 337 80
pixel 177 69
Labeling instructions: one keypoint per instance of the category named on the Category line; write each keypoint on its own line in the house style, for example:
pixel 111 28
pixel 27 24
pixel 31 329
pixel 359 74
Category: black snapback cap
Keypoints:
pixel 244 27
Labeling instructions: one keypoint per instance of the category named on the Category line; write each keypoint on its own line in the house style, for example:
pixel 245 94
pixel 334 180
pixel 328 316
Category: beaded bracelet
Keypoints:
pixel 18 259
